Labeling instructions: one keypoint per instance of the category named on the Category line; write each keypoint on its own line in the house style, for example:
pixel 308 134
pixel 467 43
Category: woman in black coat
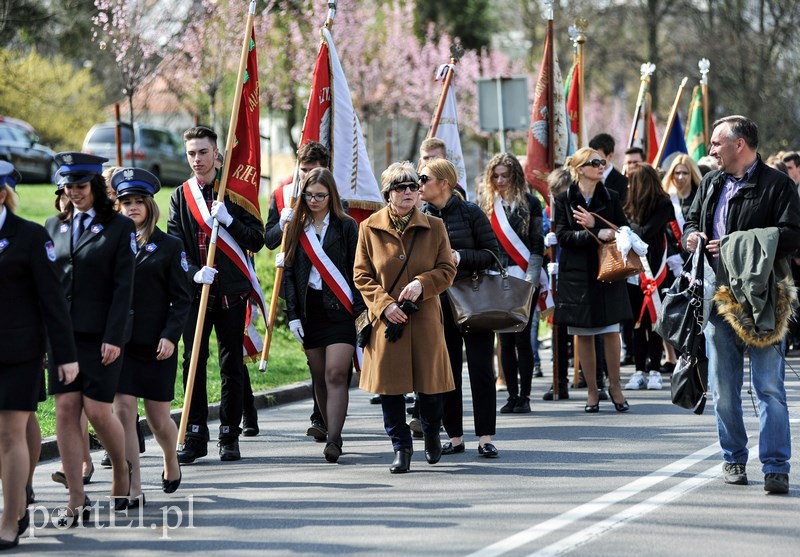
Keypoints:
pixel 32 310
pixel 95 249
pixel 585 305
pixel 322 321
pixel 507 199
pixel 470 236
pixel 161 302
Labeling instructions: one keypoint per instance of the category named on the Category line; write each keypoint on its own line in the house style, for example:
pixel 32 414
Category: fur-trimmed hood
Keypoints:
pixel 756 293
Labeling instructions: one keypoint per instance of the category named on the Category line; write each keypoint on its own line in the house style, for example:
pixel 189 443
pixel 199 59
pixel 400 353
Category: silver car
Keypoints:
pixel 156 149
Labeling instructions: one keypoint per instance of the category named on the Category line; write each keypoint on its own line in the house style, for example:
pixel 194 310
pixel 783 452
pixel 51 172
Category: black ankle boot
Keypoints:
pixel 433 448
pixel 402 461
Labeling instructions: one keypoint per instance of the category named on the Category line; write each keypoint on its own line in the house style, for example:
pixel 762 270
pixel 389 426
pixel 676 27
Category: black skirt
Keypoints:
pixel 21 385
pixel 145 377
pixel 325 327
pixel 95 380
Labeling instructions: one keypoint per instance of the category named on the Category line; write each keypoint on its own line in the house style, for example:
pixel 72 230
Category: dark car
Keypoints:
pixel 156 149
pixel 20 146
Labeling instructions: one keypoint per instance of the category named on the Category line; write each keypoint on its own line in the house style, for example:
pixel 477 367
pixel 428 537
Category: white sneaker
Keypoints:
pixel 654 381
pixel 637 382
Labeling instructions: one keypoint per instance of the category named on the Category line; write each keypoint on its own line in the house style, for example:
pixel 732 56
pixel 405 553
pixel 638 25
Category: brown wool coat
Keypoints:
pixel 418 361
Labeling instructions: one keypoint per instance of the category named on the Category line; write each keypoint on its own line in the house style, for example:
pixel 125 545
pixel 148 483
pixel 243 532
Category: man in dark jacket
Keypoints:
pixel 192 203
pixel 745 194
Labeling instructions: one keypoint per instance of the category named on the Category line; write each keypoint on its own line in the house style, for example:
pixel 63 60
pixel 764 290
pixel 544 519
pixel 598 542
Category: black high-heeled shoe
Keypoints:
pixel 402 461
pixel 67 518
pixel 332 452
pixel 23 523
pixel 122 502
pixel 136 502
pixel 592 408
pixel 621 407
pixel 171 486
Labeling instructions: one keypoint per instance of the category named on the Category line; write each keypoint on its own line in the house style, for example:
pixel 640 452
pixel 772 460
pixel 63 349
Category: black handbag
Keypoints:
pixel 681 324
pixel 491 302
pixel 364 321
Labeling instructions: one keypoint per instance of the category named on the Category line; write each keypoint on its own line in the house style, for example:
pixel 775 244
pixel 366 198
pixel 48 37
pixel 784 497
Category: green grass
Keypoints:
pixel 287 362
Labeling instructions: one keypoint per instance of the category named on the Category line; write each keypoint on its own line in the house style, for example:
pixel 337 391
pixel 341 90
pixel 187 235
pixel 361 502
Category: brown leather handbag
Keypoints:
pixel 611 266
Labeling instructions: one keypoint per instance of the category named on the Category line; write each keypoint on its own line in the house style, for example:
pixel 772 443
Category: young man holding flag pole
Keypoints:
pixel 227 285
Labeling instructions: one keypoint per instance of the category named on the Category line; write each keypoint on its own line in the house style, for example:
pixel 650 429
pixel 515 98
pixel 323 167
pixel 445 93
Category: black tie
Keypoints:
pixel 80 229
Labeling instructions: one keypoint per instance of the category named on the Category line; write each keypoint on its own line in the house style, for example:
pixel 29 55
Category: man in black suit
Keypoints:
pixel 612 178
pixel 192 207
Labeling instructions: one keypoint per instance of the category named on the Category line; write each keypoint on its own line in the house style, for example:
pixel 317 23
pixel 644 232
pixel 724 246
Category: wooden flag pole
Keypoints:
pixel 551 127
pixel 439 107
pixel 705 66
pixel 212 247
pixel 552 251
pixel 670 121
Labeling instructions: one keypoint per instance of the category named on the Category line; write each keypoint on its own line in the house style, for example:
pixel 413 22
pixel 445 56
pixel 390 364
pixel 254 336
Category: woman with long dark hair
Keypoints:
pixel 161 299
pixel 95 250
pixel 322 301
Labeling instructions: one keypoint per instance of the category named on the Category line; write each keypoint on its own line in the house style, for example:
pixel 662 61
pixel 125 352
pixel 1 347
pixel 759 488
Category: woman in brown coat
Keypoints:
pixel 406 351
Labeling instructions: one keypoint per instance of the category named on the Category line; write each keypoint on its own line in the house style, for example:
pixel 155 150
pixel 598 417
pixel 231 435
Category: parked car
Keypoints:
pixel 20 146
pixel 155 149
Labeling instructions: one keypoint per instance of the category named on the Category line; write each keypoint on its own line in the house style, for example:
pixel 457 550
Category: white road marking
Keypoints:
pixel 631 513
pixel 604 501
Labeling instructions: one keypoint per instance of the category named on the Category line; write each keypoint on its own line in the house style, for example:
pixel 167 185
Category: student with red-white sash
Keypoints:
pixel 322 302
pixel 193 207
pixel 516 218
pixel 649 210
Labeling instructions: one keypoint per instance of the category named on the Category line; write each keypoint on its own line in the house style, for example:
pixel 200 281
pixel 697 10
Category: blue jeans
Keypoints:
pixel 726 375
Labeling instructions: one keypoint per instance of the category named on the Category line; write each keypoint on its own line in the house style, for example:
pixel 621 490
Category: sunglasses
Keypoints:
pixel 424 179
pixel 403 186
pixel 315 196
pixel 596 163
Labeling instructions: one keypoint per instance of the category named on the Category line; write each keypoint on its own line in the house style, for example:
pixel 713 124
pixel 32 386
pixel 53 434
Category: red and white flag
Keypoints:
pixel 331 120
pixel 447 130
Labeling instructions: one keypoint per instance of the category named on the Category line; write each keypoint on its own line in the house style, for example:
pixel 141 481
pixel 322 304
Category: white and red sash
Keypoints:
pixel 679 223
pixel 332 277
pixel 197 206
pixel 283 197
pixel 649 285
pixel 508 238
pixel 326 269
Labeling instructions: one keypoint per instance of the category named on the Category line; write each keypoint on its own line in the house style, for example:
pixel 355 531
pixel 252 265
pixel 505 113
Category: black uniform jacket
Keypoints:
pixel 97 276
pixel 32 298
pixel 618 182
pixel 339 244
pixel 161 293
pixel 245 229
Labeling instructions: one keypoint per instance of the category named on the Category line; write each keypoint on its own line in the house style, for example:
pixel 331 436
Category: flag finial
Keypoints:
pixel 704 65
pixel 647 70
pixel 456 52
pixel 548 9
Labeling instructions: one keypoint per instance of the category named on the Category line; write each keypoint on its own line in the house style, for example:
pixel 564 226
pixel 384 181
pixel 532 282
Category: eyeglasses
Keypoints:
pixel 596 163
pixel 308 196
pixel 403 186
pixel 424 179
pixel 76 186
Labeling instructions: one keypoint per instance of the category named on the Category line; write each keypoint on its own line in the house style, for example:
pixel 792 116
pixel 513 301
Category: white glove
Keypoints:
pixel 675 264
pixel 297 330
pixel 205 275
pixel 279 259
pixel 286 215
pixel 220 212
pixel 552 269
pixel 550 240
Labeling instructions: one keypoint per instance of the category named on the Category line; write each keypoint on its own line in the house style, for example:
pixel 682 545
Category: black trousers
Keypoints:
pixel 647 344
pixel 229 326
pixel 516 355
pixel 481 378
pixel 394 417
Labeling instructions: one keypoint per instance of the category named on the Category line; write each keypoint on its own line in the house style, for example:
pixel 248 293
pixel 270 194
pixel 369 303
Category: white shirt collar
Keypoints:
pixel 3 214
pixel 609 168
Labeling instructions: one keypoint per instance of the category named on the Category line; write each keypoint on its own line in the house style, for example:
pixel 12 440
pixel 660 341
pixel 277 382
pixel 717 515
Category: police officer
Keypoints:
pixel 161 303
pixel 95 250
pixel 31 306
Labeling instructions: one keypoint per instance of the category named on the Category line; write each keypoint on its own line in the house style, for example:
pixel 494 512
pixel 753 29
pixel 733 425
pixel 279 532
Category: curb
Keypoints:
pixel 264 399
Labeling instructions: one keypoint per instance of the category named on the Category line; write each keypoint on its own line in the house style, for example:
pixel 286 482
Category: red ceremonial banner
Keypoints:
pixel 245 167
pixel 537 165
pixel 317 125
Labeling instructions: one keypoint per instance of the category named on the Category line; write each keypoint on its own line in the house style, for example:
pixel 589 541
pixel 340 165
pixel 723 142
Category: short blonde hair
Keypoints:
pixel 443 169
pixel 578 159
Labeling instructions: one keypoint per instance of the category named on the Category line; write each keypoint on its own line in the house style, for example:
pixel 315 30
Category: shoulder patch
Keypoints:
pixel 96 228
pixel 134 248
pixel 3 244
pixel 151 247
pixel 50 250
pixel 184 262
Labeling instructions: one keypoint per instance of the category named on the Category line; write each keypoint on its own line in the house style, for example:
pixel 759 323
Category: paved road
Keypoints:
pixel 642 483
